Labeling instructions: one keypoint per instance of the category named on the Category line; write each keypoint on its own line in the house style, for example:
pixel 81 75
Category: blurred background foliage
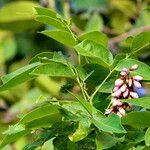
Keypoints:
pixel 20 41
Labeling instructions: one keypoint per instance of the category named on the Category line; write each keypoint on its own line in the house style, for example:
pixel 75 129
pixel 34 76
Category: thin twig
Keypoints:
pixel 125 35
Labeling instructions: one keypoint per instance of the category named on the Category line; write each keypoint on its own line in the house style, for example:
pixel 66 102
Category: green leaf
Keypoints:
pixel 46 57
pixel 53 69
pixel 140 42
pixel 88 107
pixel 45 11
pixel 54 22
pixel 42 117
pixel 143 102
pixel 137 119
pixel 61 36
pixel 95 36
pixel 18 16
pixel 105 140
pixel 147 137
pixel 96 52
pixel 143 69
pixel 17 77
pixel 81 132
pixel 110 124
pixel 14 129
pixel 95 23
pixel 10 138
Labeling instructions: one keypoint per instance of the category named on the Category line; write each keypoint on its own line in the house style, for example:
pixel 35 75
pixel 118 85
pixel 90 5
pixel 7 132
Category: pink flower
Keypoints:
pixel 134 95
pixel 137 78
pixel 118 82
pixel 137 84
pixel 123 88
pixel 134 67
pixel 125 94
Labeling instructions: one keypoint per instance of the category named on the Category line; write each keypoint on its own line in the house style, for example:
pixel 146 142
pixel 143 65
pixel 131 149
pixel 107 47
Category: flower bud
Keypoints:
pixel 137 84
pixel 119 114
pixel 108 111
pixel 130 82
pixel 125 94
pixel 123 88
pixel 134 94
pixel 118 82
pixel 134 67
pixel 117 93
pixel 116 103
pixel 137 78
pixel 125 70
pixel 123 73
pixel 115 89
pixel 122 111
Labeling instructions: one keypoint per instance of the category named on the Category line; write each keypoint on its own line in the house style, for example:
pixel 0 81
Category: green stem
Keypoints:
pixel 98 88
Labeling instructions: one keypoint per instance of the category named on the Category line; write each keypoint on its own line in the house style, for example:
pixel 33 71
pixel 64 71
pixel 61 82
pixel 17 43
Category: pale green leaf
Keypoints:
pixel 147 137
pixel 61 36
pixel 18 16
pixel 81 132
pixel 53 22
pixel 95 36
pixel 95 23
pixel 17 77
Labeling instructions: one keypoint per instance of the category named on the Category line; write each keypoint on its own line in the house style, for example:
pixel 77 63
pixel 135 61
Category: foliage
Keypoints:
pixel 77 122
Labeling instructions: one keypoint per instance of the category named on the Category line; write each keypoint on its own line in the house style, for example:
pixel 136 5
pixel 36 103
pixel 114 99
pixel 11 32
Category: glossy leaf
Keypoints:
pixel 95 36
pixel 53 69
pixel 41 117
pixel 96 52
pixel 53 22
pixel 143 69
pixel 110 124
pixel 61 36
pixel 17 77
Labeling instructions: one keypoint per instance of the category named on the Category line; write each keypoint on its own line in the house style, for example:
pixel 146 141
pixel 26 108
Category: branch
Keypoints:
pixel 125 35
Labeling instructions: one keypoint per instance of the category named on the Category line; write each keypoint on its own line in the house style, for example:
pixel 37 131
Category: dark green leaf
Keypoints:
pixel 17 77
pixel 105 140
pixel 96 52
pixel 110 124
pixel 53 69
pixel 143 102
pixel 42 117
pixel 137 119
pixel 143 69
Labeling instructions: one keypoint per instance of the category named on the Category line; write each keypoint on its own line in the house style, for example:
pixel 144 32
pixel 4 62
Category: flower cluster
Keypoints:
pixel 124 89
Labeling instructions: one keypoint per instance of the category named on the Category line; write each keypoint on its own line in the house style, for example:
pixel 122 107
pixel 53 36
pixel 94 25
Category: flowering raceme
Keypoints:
pixel 124 89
